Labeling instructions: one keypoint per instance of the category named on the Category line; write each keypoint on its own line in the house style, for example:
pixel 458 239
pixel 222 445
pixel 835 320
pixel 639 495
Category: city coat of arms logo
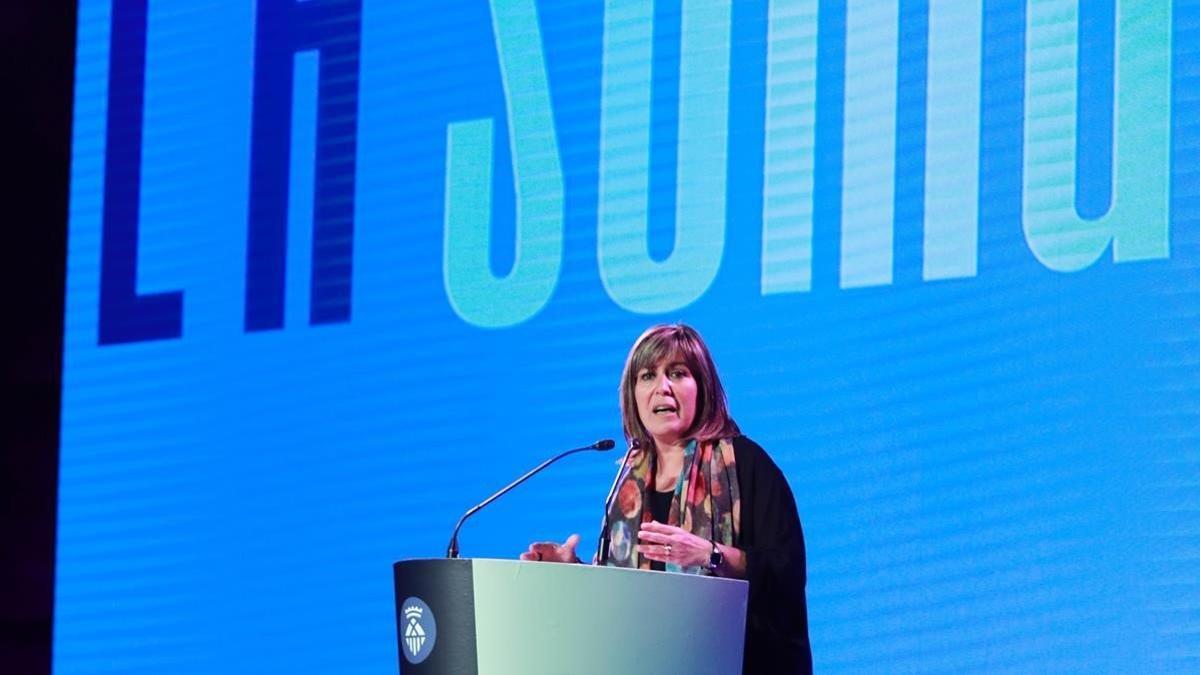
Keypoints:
pixel 419 630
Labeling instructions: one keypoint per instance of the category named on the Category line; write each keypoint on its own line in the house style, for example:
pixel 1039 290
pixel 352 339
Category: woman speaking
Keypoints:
pixel 700 498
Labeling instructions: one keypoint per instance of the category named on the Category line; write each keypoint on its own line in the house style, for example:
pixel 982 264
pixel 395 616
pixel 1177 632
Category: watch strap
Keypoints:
pixel 715 558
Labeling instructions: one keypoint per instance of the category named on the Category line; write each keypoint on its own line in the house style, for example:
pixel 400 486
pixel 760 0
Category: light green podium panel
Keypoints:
pixel 559 619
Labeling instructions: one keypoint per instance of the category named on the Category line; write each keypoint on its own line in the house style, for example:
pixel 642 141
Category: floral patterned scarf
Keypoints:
pixel 706 502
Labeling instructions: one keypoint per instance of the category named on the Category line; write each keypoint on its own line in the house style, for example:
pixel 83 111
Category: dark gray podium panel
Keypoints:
pixel 506 616
pixel 447 620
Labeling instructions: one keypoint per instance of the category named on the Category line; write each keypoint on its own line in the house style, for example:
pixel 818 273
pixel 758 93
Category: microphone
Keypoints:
pixel 602 545
pixel 452 548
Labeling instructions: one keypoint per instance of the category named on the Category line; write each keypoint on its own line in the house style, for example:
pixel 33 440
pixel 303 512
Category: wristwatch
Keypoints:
pixel 715 559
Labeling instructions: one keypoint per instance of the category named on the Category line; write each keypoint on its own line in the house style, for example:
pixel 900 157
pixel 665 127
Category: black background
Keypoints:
pixel 37 50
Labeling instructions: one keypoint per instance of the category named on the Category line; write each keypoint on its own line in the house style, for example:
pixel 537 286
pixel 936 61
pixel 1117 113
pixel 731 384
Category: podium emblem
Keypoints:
pixel 419 632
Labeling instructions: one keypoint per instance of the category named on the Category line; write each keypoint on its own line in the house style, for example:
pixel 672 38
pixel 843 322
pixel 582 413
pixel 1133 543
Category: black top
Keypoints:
pixel 660 510
pixel 773 541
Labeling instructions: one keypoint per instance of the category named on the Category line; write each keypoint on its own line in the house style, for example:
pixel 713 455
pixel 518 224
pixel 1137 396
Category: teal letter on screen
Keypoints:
pixel 632 278
pixel 869 144
pixel 952 109
pixel 790 137
pixel 478 296
pixel 1137 221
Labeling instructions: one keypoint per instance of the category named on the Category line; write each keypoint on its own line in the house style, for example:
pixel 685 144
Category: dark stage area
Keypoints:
pixel 37 42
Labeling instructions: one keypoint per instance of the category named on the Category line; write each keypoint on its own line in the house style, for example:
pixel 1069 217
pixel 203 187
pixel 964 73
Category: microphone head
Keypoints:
pixel 606 444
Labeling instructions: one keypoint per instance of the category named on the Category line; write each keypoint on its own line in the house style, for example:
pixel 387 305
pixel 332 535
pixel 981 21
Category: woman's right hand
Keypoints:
pixel 548 551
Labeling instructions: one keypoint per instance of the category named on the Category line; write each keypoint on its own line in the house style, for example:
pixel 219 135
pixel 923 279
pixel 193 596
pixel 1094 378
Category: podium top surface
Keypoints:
pixel 520 566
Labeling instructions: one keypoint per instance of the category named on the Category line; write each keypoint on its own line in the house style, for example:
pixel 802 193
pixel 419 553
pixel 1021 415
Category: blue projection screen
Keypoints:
pixel 338 269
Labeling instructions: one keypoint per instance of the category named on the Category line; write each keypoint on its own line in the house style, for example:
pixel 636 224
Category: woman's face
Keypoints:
pixel 666 400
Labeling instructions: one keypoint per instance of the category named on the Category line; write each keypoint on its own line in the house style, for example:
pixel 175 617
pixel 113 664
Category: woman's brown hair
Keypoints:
pixel 660 342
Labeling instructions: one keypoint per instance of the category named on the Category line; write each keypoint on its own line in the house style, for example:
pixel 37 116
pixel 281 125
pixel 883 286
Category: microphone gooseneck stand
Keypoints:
pixel 602 545
pixel 452 548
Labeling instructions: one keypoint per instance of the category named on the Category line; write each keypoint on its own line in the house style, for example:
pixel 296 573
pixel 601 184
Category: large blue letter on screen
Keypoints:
pixel 1137 222
pixel 476 294
pixel 331 28
pixel 632 278
pixel 789 155
pixel 869 144
pixel 126 316
pixel 952 126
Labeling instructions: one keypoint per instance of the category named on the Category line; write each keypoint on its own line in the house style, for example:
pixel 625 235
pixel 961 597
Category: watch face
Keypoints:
pixel 715 558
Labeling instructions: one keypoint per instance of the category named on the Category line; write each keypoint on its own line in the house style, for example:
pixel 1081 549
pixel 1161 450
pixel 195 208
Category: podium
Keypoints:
pixel 506 616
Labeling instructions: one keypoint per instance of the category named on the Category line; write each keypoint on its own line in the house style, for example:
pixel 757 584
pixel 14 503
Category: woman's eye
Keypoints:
pixel 646 376
pixel 678 373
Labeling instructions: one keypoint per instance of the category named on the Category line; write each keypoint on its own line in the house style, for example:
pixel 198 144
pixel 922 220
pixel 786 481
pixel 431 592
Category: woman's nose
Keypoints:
pixel 664 382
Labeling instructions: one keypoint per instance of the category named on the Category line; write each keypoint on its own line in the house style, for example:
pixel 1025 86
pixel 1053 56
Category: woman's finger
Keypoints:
pixel 541 550
pixel 655 552
pixel 654 537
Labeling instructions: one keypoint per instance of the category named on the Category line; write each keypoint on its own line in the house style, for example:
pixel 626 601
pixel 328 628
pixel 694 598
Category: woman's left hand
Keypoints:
pixel 670 544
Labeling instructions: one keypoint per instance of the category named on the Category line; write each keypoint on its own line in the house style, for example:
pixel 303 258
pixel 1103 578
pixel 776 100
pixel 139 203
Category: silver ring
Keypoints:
pixel 667 550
